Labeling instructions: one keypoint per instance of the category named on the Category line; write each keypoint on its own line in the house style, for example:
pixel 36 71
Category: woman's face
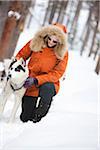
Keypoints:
pixel 52 41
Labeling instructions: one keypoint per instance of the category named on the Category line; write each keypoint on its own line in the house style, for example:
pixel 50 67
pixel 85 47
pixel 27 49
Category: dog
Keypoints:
pixel 14 78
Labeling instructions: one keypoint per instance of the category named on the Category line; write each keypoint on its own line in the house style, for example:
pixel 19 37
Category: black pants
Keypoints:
pixel 29 109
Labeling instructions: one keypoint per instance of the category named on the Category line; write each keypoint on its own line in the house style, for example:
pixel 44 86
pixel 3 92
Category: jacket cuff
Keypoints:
pixel 35 81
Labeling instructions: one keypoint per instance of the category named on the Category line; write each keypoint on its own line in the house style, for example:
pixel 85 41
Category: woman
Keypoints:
pixel 48 59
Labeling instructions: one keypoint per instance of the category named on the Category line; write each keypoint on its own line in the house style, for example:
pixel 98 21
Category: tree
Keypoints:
pixel 97 69
pixel 94 27
pixel 13 25
pixel 61 11
pixel 75 21
pixel 57 7
pixel 86 32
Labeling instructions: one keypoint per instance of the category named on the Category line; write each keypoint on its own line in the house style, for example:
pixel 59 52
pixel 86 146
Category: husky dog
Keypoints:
pixel 16 76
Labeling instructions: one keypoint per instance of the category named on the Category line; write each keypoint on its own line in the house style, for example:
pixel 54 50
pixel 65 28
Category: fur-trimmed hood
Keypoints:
pixel 39 40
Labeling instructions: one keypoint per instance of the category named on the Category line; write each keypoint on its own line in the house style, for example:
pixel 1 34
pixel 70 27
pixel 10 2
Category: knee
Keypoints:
pixel 46 86
pixel 47 90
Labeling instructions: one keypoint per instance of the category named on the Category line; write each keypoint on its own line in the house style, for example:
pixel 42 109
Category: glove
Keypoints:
pixel 30 81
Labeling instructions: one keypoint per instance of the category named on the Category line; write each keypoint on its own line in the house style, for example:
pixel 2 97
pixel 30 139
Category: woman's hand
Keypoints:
pixel 30 81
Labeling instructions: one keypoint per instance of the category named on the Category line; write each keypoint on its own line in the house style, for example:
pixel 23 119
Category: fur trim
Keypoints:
pixel 38 42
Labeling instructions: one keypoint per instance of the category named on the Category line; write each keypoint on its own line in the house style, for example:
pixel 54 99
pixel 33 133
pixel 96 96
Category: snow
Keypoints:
pixel 73 120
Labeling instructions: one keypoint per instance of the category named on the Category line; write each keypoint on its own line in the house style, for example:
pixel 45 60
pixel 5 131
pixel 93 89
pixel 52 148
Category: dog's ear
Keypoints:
pixel 23 62
pixel 13 59
pixel 7 63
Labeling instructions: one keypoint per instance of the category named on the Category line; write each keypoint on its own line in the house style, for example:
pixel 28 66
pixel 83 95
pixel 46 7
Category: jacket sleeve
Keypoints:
pixel 25 52
pixel 55 74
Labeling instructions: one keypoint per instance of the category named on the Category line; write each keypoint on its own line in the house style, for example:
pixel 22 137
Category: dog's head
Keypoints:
pixel 18 71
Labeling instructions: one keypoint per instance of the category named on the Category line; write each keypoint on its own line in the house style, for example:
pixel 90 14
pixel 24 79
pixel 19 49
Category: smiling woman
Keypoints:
pixel 48 55
pixel 52 41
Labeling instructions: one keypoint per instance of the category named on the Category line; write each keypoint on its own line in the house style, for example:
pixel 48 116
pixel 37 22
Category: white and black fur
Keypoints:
pixel 4 66
pixel 13 78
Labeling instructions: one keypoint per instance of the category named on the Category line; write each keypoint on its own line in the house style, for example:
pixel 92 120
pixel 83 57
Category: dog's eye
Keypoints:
pixel 20 68
pixel 17 69
pixel 11 68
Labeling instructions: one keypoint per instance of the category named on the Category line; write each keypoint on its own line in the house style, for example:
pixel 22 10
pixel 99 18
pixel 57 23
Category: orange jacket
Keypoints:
pixel 44 66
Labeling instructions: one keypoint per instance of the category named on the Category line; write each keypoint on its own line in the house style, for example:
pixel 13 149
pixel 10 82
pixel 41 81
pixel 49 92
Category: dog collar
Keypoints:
pixel 15 89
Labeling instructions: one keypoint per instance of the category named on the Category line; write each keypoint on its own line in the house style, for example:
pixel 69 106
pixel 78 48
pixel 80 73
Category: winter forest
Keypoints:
pixel 73 121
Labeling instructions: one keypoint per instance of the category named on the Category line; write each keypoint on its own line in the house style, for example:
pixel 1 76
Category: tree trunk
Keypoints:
pixel 86 37
pixel 71 4
pixel 87 24
pixel 95 28
pixel 30 15
pixel 93 40
pixel 97 69
pixel 47 12
pixel 73 26
pixel 63 5
pixel 53 10
pixel 97 50
pixel 7 36
pixel 13 23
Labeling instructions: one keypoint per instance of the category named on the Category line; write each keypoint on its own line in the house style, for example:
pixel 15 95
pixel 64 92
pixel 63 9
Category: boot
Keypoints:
pixel 28 107
pixel 41 111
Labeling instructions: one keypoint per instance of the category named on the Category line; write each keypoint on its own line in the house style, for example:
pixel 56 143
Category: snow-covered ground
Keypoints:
pixel 73 121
